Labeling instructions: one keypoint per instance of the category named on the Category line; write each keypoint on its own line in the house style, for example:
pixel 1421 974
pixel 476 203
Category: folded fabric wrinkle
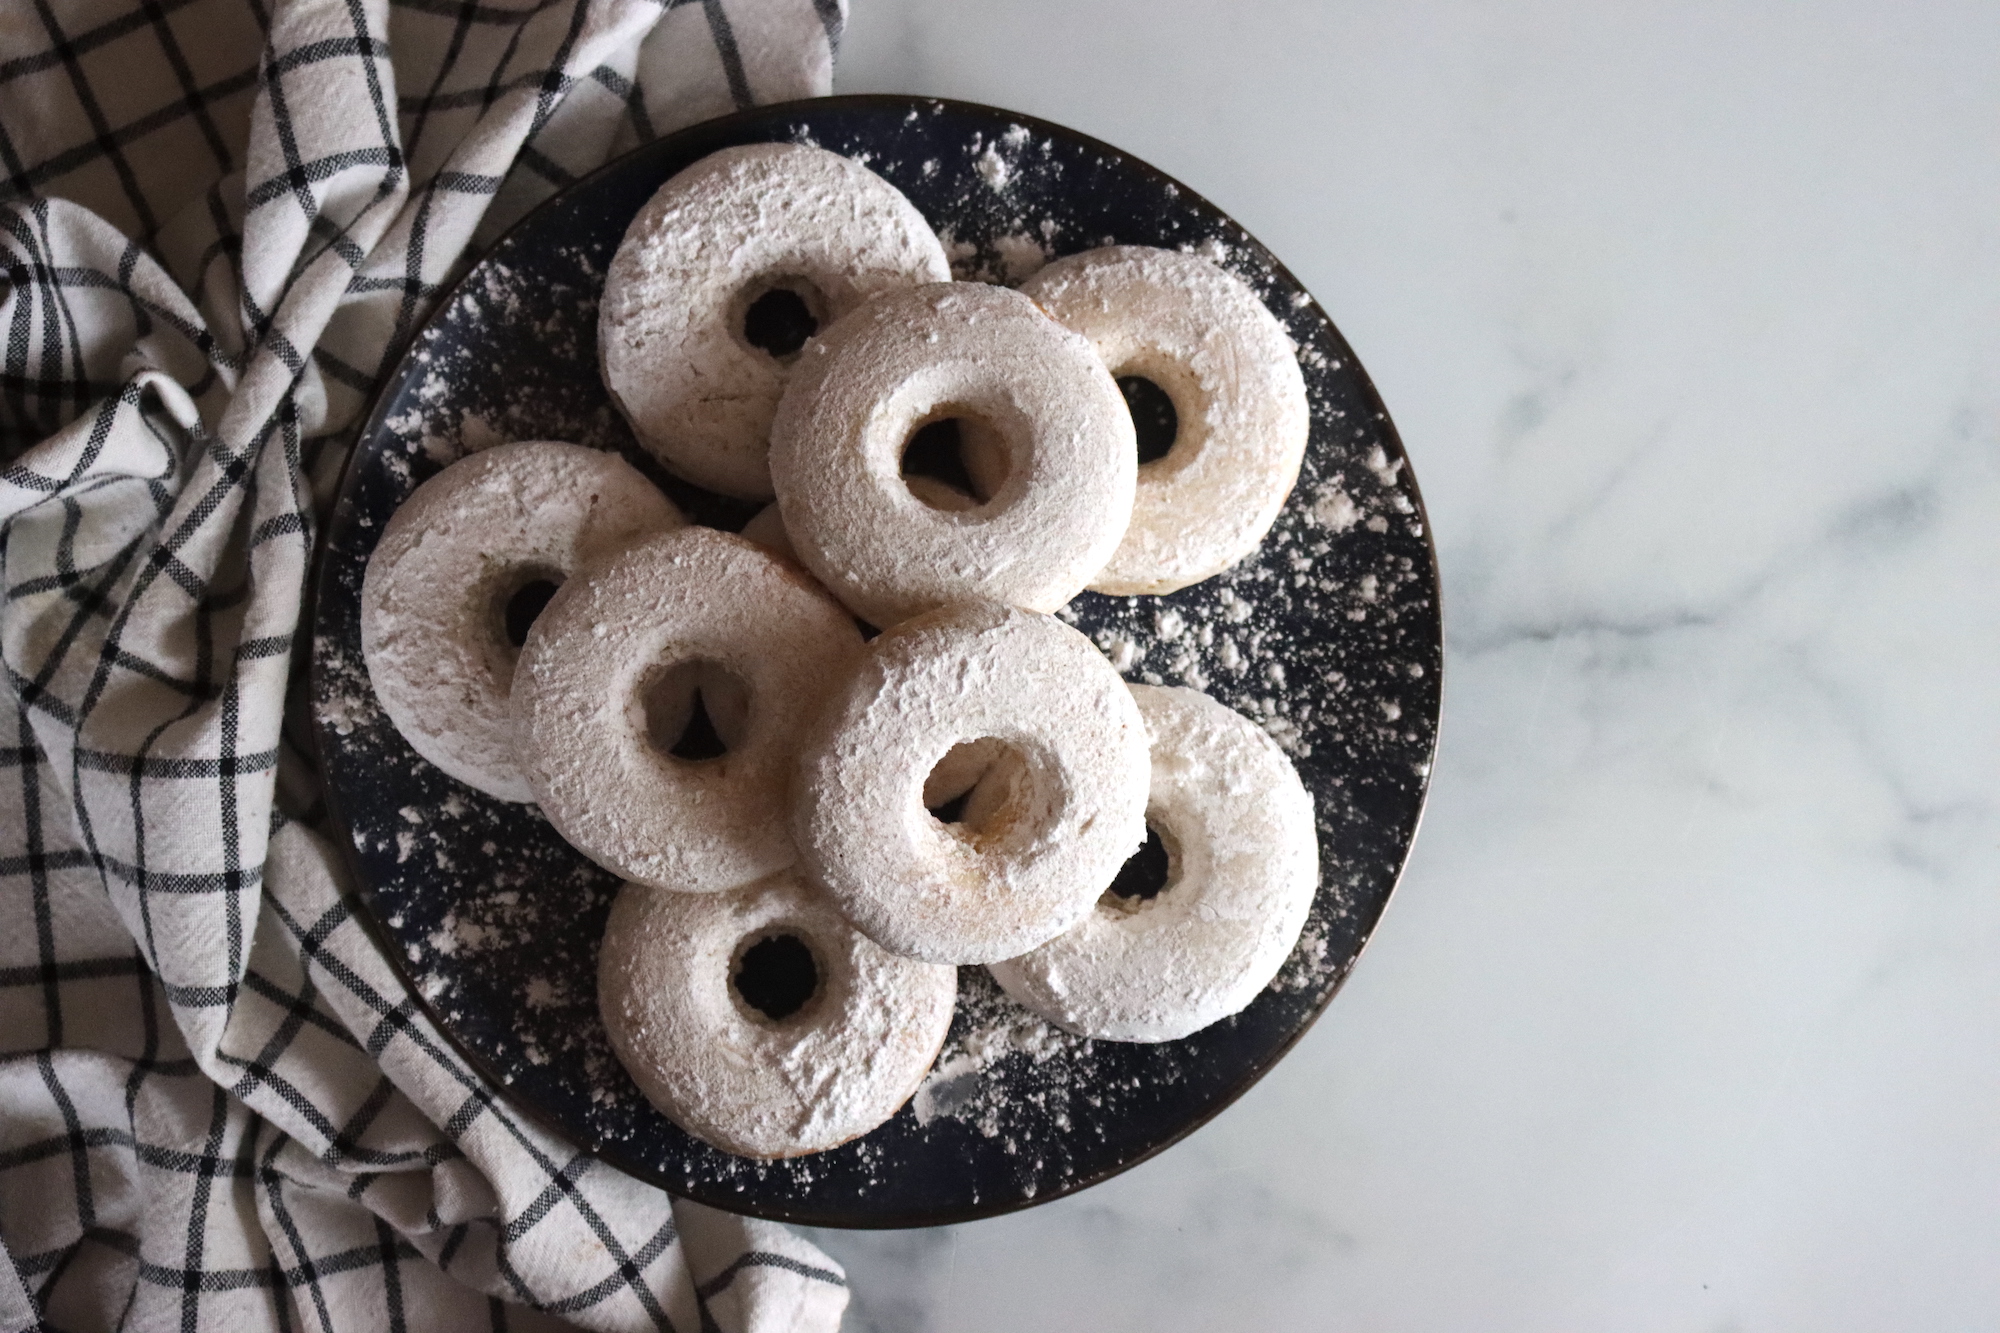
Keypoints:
pixel 218 1104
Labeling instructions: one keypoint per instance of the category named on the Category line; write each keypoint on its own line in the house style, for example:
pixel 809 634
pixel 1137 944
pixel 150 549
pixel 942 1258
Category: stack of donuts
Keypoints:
pixel 840 754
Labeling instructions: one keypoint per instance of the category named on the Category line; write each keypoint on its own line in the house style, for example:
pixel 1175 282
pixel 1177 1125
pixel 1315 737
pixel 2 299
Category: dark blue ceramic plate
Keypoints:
pixel 1330 637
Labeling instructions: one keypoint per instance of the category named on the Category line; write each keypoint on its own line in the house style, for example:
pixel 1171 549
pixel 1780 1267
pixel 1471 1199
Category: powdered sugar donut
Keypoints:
pixel 1242 867
pixel 463 566
pixel 761 1022
pixel 1030 393
pixel 723 275
pixel 1021 709
pixel 1239 400
pixel 610 678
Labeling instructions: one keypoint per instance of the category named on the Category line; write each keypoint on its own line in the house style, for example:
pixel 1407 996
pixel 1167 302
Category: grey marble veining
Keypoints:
pixel 1687 1015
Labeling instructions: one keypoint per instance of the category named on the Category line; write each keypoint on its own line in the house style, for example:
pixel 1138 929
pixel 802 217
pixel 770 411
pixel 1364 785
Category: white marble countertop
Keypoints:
pixel 1687 1013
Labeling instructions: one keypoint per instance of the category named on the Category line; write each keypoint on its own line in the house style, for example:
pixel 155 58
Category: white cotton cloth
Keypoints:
pixel 221 220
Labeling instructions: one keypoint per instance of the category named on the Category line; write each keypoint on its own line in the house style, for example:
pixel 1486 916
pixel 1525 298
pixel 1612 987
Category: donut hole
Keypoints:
pixel 774 976
pixel 780 315
pixel 523 595
pixel 524 606
pixel 692 711
pixel 955 461
pixel 1155 423
pixel 980 790
pixel 1146 874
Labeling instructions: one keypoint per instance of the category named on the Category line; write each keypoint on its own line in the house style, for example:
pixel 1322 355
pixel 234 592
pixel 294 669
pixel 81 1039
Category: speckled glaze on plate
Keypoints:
pixel 1329 636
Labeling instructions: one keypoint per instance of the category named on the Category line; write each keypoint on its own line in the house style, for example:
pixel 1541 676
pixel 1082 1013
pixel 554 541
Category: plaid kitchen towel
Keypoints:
pixel 218 1106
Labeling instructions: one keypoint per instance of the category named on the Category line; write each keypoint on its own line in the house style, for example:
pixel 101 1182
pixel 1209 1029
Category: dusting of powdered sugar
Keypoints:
pixel 991 1038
